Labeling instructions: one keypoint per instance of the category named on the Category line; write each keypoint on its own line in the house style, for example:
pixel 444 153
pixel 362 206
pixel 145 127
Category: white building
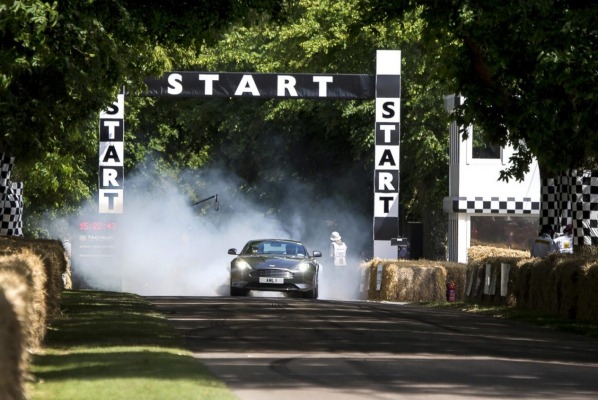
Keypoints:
pixel 481 208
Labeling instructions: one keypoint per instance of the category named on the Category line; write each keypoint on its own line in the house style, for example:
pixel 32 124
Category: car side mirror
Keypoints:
pixel 317 254
pixel 232 252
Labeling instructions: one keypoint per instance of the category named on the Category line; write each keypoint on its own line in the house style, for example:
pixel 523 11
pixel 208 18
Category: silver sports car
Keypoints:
pixel 274 265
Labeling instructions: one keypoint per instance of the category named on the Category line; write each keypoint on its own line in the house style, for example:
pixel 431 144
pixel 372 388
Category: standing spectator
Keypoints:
pixel 543 244
pixel 338 250
pixel 564 243
pixel 66 243
pixel 66 275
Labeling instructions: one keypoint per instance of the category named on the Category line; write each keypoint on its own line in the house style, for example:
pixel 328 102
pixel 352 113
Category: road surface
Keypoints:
pixel 285 348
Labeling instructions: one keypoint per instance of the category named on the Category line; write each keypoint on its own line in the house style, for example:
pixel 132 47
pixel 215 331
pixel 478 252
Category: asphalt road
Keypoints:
pixel 285 348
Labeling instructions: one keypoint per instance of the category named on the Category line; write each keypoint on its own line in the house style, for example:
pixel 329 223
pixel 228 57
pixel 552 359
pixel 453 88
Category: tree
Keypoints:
pixel 61 62
pixel 334 138
pixel 528 72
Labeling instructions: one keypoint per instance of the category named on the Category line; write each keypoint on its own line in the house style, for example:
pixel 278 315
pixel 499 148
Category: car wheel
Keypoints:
pixel 234 291
pixel 312 294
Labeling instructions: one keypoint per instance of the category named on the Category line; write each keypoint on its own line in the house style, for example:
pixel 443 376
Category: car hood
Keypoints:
pixel 268 262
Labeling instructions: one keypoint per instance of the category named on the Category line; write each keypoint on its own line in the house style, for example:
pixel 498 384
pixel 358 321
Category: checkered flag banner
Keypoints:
pixel 572 198
pixel 11 200
pixel 494 205
pixel 584 210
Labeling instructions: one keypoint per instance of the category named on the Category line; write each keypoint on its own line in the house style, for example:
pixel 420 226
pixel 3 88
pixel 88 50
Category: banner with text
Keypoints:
pixel 262 85
pixel 387 146
pixel 112 152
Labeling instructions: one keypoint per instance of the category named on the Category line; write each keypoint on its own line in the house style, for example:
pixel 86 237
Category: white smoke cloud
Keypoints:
pixel 168 246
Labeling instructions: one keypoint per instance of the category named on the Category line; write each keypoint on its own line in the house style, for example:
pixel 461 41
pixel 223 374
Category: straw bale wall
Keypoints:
pixel 560 284
pixel 55 261
pixel 484 273
pixel 29 267
pixel 15 311
pixel 31 282
pixel 413 280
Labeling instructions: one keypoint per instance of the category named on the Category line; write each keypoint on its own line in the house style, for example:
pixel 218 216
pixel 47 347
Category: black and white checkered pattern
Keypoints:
pixel 6 164
pixel 572 198
pixel 11 200
pixel 495 205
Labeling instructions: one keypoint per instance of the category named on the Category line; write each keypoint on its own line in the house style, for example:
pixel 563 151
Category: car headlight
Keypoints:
pixel 303 267
pixel 242 264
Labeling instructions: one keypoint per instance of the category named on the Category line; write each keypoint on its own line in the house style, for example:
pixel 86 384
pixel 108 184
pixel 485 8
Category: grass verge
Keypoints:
pixel 528 316
pixel 115 346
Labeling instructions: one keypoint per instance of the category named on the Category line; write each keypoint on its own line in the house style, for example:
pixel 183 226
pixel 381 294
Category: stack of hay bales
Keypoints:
pixel 484 273
pixel 31 283
pixel 54 259
pixel 15 309
pixel 560 284
pixel 413 280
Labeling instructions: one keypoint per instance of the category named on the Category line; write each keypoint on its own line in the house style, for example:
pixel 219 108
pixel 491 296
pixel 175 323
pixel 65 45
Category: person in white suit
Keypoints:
pixel 338 250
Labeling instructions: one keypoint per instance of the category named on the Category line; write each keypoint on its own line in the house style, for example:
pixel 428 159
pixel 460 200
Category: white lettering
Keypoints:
pixel 247 84
pixel 111 125
pixel 209 82
pixel 286 82
pixel 323 84
pixel 176 84
pixel 385 181
pixel 109 177
pixel 388 130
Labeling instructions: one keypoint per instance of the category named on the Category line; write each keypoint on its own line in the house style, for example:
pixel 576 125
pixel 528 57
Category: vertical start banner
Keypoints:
pixel 387 145
pixel 112 151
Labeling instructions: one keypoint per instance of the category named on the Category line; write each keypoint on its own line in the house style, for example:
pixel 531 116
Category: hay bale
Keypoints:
pixel 372 267
pixel 557 284
pixel 14 312
pixel 55 260
pixel 429 283
pixel 388 288
pixel 477 255
pixel 56 264
pixel 485 288
pixel 414 280
pixel 568 275
pixel 587 306
pixel 404 278
pixel 29 266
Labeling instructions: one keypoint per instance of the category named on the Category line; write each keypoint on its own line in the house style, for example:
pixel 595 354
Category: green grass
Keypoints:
pixel 586 328
pixel 115 346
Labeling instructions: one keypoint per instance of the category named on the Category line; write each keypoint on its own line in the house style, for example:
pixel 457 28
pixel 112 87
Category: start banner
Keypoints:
pixel 262 85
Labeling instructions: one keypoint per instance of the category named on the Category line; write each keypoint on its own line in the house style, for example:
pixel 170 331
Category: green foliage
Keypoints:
pixel 528 72
pixel 328 144
pixel 61 62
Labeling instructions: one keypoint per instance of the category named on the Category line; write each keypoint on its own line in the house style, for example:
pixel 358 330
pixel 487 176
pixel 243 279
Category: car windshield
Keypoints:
pixel 277 247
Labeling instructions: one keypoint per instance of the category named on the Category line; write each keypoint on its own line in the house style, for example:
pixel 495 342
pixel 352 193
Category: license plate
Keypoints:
pixel 272 280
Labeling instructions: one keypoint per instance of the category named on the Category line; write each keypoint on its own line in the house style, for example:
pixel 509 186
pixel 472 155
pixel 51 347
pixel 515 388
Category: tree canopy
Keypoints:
pixel 61 62
pixel 527 69
pixel 326 144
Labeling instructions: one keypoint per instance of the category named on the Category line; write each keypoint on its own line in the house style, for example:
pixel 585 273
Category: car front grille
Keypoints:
pixel 273 273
